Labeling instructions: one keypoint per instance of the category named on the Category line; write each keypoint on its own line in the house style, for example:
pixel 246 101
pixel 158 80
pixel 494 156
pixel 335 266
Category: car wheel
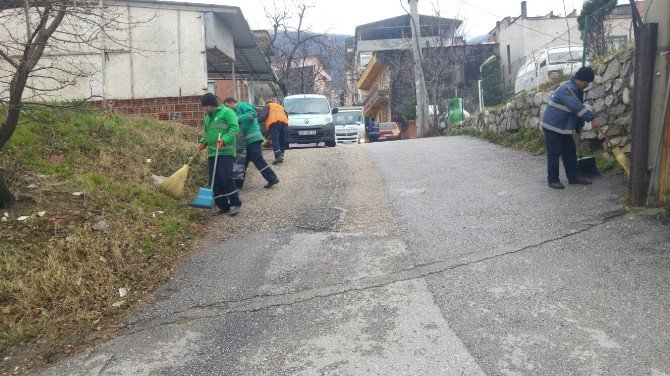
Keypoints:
pixel 331 144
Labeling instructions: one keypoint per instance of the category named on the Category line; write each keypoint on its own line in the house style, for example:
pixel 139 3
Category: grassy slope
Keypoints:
pixel 58 276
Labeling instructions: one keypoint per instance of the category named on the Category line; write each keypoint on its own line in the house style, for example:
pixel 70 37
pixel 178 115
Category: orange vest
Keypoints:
pixel 276 113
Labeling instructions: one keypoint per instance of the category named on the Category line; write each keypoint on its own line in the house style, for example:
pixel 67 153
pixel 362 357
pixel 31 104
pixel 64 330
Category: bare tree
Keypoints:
pixel 43 49
pixel 293 42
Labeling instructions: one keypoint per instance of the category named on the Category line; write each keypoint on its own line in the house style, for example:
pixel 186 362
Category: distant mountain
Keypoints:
pixel 478 39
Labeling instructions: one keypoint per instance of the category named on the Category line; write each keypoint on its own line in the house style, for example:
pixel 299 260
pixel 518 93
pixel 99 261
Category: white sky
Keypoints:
pixel 342 16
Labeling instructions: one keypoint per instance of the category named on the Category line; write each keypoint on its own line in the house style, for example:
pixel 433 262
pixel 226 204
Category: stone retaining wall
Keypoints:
pixel 610 97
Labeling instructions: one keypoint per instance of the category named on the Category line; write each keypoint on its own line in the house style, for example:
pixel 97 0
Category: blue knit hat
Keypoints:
pixel 585 74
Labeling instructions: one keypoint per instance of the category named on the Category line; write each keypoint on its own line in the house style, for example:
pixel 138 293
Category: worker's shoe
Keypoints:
pixel 580 181
pixel 556 185
pixel 271 183
pixel 233 211
pixel 279 159
pixel 219 212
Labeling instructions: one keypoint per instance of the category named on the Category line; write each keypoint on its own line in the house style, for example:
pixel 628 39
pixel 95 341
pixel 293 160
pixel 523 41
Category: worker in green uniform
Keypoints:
pixel 220 139
pixel 247 117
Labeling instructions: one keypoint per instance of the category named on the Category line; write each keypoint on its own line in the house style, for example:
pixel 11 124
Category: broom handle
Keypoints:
pixel 193 157
pixel 216 160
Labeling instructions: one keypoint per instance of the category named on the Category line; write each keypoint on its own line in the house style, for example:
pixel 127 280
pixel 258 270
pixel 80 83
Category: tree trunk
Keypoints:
pixel 6 197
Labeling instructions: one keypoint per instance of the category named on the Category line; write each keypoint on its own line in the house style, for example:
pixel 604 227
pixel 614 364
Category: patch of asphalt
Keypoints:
pixel 579 284
pixel 281 299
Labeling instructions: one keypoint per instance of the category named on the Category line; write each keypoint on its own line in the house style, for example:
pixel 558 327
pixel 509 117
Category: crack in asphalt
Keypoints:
pixel 262 302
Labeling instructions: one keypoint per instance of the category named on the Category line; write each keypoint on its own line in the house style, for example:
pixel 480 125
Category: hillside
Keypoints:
pixel 89 223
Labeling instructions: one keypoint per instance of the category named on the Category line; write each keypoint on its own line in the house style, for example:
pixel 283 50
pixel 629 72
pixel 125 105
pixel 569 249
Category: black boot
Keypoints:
pixel 271 183
pixel 556 185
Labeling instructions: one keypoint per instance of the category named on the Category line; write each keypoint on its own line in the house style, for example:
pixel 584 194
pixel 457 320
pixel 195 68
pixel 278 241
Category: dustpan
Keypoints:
pixel 205 198
pixel 587 165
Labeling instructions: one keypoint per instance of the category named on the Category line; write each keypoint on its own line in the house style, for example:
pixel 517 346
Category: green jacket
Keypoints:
pixel 223 121
pixel 248 120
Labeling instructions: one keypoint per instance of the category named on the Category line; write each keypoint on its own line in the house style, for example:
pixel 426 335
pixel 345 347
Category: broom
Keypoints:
pixel 174 185
pixel 620 156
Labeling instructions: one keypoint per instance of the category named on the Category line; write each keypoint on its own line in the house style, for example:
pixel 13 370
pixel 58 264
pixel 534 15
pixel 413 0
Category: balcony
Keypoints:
pixel 378 98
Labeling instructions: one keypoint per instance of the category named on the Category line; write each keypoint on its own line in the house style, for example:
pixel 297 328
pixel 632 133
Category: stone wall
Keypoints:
pixel 610 97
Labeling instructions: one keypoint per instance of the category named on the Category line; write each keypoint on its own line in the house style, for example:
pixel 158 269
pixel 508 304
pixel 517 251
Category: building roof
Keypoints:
pixel 400 27
pixel 250 60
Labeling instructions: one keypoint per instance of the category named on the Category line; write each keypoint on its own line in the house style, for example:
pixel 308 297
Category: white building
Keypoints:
pixel 522 36
pixel 166 50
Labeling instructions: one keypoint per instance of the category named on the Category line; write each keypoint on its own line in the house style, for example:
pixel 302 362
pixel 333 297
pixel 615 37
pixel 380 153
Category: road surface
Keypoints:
pixel 443 256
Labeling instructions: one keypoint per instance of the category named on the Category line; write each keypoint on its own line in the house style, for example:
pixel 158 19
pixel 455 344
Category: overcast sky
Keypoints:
pixel 342 16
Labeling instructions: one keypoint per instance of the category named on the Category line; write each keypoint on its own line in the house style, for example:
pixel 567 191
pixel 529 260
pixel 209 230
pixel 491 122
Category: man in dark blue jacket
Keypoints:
pixel 564 117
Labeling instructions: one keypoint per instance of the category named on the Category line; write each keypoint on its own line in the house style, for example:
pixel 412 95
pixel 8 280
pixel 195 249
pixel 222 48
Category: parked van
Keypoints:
pixel 310 119
pixel 349 125
pixel 547 64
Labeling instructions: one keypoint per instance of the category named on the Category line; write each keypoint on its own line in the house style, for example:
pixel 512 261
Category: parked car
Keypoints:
pixel 389 131
pixel 548 64
pixel 349 125
pixel 311 119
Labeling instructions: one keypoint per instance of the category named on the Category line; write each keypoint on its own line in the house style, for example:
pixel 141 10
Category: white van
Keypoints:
pixel 546 64
pixel 310 119
pixel 349 125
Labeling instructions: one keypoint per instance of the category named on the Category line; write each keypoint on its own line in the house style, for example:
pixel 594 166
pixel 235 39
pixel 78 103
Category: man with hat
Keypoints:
pixel 221 121
pixel 565 115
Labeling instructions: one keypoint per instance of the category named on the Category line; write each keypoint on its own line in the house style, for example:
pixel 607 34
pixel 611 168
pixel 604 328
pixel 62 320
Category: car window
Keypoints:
pixel 306 106
pixel 350 117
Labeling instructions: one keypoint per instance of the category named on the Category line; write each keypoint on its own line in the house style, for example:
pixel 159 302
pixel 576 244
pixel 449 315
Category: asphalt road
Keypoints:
pixel 444 256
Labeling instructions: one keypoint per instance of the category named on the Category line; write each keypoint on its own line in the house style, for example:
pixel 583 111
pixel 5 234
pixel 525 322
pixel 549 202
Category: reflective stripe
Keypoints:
pixel 559 106
pixel 265 168
pixel 230 194
pixel 255 134
pixel 555 129
pixel 219 196
pixel 582 112
pixel 224 148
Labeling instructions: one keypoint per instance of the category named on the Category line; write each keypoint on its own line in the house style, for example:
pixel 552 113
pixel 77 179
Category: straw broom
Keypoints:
pixel 174 185
pixel 620 156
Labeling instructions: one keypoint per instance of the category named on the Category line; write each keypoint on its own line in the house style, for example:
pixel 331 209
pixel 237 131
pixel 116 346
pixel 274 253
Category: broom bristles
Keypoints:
pixel 174 185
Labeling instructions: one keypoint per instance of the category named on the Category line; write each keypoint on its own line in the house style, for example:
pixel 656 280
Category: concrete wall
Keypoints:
pixel 161 55
pixel 529 35
pixel 659 12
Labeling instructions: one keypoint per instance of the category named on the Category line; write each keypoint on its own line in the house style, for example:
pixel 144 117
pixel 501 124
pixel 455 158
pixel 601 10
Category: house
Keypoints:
pixel 394 34
pixel 161 64
pixel 520 37
pixel 375 87
pixel 619 27
pixel 308 75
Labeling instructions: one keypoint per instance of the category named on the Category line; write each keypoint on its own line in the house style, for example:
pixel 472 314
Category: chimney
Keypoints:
pixel 524 9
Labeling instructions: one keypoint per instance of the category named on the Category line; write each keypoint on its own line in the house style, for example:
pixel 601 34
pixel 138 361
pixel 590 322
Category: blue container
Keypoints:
pixel 204 200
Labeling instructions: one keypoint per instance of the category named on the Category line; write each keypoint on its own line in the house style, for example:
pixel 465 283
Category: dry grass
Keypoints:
pixel 59 278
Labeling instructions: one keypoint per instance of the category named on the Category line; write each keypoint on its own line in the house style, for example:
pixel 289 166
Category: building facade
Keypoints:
pixel 159 65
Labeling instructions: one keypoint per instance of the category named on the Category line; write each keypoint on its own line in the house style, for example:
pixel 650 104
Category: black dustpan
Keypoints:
pixel 587 165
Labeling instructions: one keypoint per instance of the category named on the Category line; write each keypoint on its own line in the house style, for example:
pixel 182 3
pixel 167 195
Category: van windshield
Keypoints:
pixel 344 118
pixel 565 57
pixel 306 106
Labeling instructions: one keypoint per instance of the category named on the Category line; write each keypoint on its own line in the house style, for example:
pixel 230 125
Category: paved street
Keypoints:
pixel 442 256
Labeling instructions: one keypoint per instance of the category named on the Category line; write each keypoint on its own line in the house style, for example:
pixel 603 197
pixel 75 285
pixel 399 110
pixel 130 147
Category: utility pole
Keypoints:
pixel 419 79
